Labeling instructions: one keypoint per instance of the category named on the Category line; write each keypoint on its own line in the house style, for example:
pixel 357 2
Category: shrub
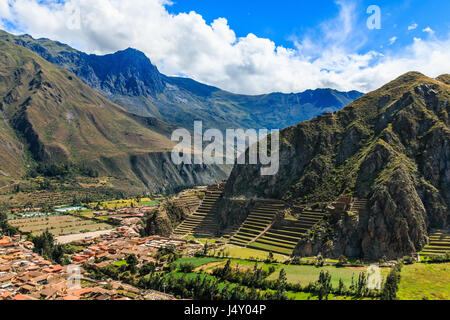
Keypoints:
pixel 408 260
pixel 187 267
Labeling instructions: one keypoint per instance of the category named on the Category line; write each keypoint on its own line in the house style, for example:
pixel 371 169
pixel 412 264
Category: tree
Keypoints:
pixel 270 258
pixel 187 267
pixel 341 287
pixel 132 263
pixel 342 260
pixel 281 285
pixel 147 268
pixel 45 246
pixel 390 287
pixel 205 249
pixel 324 285
pixel 5 227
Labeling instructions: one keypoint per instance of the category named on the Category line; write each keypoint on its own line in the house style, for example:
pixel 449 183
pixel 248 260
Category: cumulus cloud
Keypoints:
pixel 212 53
pixel 413 26
pixel 428 30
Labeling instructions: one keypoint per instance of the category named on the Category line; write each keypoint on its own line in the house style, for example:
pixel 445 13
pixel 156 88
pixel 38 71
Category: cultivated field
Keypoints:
pixel 247 253
pixel 125 203
pixel 306 274
pixel 58 225
pixel 425 281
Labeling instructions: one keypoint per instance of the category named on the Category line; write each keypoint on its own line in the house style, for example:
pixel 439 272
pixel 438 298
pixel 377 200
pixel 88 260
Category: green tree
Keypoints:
pixel 205 249
pixel 324 285
pixel 187 267
pixel 132 263
pixel 390 286
pixel 281 285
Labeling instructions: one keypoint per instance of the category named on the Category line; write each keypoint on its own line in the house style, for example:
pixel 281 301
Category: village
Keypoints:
pixel 25 275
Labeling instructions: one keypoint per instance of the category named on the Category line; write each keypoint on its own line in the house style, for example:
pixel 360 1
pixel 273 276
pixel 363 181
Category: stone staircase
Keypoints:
pixel 439 244
pixel 203 222
pixel 257 222
pixel 283 236
pixel 359 206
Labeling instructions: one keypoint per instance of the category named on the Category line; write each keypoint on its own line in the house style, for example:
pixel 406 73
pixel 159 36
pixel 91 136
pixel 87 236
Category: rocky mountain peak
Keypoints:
pixel 129 72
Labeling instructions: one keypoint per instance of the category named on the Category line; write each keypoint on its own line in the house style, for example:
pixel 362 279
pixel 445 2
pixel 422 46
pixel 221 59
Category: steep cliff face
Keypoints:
pixel 49 116
pixel 390 146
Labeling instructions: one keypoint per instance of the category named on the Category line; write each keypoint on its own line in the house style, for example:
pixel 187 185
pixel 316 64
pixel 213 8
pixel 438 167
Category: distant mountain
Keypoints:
pixel 49 116
pixel 128 78
pixel 391 146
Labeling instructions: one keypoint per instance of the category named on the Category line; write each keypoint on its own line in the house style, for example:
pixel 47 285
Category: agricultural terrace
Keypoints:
pixel 425 281
pixel 58 225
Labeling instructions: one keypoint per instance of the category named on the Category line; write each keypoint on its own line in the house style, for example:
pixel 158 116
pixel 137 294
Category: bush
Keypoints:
pixel 408 260
pixel 187 267
pixel 342 261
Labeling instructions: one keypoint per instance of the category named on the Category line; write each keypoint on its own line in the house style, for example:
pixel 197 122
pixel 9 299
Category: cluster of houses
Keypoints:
pixel 117 246
pixel 25 275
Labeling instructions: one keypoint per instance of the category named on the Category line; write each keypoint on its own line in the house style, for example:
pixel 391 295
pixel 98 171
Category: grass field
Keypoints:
pixel 307 274
pixel 197 262
pixel 247 253
pixel 120 263
pixel 58 225
pixel 425 281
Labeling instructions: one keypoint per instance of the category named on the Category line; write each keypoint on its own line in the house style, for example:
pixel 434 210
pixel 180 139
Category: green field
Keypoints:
pixel 425 281
pixel 148 203
pixel 306 274
pixel 120 263
pixel 247 253
pixel 197 262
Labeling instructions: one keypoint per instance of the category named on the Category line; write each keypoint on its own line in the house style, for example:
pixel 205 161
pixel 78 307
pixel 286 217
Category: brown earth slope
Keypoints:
pixel 50 116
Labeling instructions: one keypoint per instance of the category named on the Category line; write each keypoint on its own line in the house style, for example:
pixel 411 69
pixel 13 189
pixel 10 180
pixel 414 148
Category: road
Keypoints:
pixel 81 236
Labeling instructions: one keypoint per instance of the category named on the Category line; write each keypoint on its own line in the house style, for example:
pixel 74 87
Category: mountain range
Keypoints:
pixel 114 114
pixel 129 79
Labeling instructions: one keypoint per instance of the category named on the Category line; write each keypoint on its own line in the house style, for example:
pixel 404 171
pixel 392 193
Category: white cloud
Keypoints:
pixel 392 40
pixel 428 30
pixel 212 53
pixel 413 26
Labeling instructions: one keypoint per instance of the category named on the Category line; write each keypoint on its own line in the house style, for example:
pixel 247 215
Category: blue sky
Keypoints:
pixel 282 19
pixel 253 47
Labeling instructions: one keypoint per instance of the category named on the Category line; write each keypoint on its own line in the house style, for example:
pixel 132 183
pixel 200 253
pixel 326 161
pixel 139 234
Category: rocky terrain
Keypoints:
pixel 391 146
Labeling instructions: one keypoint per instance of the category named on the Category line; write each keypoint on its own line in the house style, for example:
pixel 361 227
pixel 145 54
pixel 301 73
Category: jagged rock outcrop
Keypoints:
pixel 390 146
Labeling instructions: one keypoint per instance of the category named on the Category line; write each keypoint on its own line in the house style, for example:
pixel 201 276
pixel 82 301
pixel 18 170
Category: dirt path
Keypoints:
pixel 208 266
